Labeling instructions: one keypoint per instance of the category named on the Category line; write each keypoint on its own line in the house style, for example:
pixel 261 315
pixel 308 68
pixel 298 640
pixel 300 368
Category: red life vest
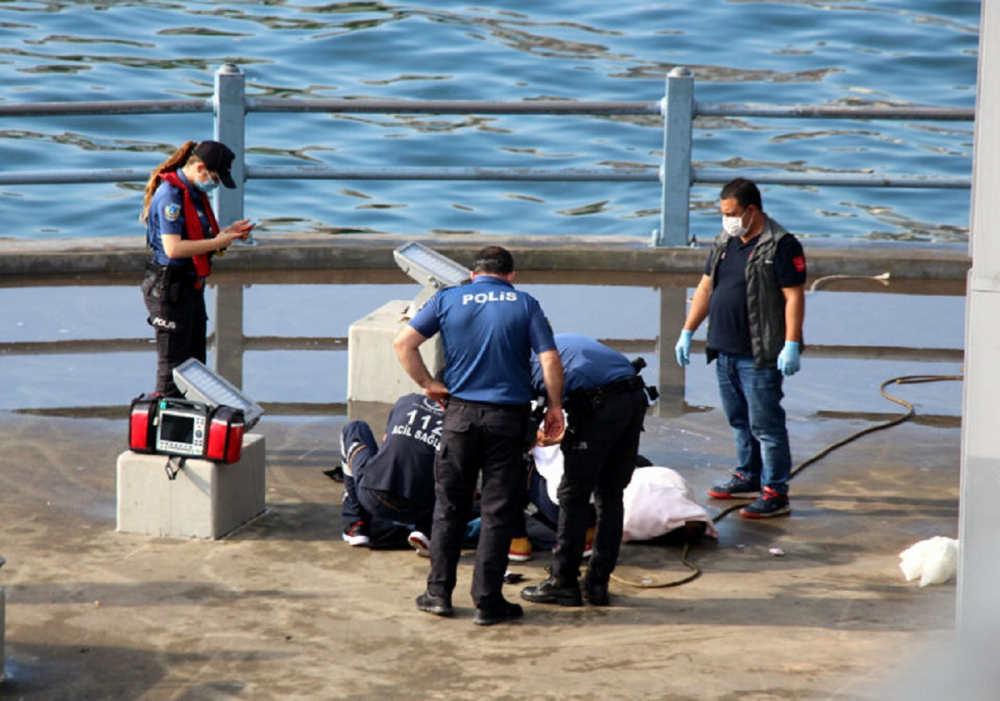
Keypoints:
pixel 202 266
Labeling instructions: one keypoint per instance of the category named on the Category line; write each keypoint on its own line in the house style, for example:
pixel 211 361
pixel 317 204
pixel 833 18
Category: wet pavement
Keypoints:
pixel 284 609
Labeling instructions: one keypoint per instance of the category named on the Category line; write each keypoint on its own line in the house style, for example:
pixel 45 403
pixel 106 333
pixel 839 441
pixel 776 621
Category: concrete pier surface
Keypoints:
pixel 283 609
pixel 813 606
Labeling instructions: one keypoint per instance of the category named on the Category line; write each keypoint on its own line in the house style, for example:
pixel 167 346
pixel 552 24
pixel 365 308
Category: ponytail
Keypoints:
pixel 176 160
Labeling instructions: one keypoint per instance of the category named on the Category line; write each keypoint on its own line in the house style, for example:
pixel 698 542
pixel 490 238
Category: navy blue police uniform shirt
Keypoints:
pixel 166 216
pixel 587 363
pixel 404 465
pixel 488 330
pixel 729 324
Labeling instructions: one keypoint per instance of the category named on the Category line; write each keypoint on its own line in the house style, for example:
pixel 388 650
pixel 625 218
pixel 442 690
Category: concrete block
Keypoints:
pixel 204 500
pixel 374 373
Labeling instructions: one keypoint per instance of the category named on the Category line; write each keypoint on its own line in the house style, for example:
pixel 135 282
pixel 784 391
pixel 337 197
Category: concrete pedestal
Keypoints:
pixel 203 500
pixel 374 373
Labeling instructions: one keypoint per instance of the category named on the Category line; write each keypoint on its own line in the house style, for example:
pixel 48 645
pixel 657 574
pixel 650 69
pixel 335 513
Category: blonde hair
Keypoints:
pixel 178 159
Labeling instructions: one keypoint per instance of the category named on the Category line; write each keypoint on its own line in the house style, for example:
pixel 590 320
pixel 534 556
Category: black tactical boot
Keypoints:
pixel 596 592
pixel 555 590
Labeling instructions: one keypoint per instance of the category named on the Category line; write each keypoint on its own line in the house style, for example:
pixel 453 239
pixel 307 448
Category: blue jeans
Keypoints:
pixel 752 401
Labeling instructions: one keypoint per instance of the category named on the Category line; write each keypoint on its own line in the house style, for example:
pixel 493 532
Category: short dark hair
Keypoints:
pixel 494 260
pixel 743 191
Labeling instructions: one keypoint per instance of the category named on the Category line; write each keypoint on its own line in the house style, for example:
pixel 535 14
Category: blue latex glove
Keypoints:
pixel 788 359
pixel 683 348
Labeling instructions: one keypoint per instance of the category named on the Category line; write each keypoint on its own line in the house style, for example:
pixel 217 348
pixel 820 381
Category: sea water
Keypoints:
pixel 809 52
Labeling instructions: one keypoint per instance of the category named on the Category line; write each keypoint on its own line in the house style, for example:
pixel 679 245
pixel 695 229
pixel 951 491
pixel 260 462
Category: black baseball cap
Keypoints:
pixel 218 157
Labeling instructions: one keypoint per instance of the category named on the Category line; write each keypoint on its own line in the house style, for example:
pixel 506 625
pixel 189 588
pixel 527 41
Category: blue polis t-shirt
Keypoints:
pixel 488 330
pixel 166 216
pixel 587 363
pixel 729 323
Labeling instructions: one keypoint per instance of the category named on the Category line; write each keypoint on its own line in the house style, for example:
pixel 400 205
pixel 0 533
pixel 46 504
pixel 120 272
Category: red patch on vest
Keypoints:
pixel 800 264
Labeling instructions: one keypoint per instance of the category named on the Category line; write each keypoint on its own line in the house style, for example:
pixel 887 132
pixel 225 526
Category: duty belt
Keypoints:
pixel 487 405
pixel 171 271
pixel 175 273
pixel 593 398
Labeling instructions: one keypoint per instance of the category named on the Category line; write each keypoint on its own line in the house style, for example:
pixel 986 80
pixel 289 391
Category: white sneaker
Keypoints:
pixel 356 534
pixel 420 543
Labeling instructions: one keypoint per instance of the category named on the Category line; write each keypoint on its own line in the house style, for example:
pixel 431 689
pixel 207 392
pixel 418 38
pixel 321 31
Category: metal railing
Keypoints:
pixel 675 173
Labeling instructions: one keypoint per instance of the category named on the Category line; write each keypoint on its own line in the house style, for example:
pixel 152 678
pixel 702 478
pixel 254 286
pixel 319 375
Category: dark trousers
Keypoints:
pixel 363 504
pixel 487 440
pixel 599 453
pixel 177 313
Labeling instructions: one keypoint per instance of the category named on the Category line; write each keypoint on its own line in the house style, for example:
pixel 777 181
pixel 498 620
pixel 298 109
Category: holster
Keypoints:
pixel 163 283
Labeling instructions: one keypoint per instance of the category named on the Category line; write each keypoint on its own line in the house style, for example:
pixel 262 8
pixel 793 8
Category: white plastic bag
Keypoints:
pixel 934 560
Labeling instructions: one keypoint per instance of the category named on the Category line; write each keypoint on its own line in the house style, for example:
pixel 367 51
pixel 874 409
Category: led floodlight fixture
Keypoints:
pixel 200 384
pixel 431 269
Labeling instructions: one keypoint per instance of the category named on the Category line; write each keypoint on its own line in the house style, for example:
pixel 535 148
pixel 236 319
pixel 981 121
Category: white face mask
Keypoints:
pixel 733 226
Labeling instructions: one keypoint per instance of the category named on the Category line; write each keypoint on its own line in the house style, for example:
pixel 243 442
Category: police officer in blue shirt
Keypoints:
pixel 395 482
pixel 753 294
pixel 182 235
pixel 488 331
pixel 606 405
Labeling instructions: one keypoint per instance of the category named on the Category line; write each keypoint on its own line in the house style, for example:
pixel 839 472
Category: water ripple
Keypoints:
pixel 875 53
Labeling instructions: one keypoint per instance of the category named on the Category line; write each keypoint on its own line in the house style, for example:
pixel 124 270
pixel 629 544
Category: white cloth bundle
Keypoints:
pixel 934 560
pixel 658 500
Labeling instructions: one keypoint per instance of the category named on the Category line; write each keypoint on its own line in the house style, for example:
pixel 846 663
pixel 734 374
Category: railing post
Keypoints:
pixel 230 112
pixel 675 172
pixel 673 377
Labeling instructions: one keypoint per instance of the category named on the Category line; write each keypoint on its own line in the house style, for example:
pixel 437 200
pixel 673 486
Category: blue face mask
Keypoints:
pixel 207 186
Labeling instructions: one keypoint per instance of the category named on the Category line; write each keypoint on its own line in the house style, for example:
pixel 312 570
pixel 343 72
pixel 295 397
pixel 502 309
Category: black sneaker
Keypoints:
pixel 356 534
pixel 596 593
pixel 500 613
pixel 554 590
pixel 438 605
pixel 769 504
pixel 335 473
pixel 739 487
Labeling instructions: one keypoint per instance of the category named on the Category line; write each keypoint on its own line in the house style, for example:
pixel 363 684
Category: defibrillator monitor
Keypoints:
pixel 181 428
pixel 176 428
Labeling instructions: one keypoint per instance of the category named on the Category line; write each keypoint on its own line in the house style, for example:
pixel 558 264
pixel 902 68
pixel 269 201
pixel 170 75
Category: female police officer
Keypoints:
pixel 182 235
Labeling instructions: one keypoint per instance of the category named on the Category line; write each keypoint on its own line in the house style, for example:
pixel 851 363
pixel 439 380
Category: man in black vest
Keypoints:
pixel 753 294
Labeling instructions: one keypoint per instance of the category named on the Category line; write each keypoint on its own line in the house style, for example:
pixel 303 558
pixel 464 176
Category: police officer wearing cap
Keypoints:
pixel 182 234
pixel 488 331
pixel 606 403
